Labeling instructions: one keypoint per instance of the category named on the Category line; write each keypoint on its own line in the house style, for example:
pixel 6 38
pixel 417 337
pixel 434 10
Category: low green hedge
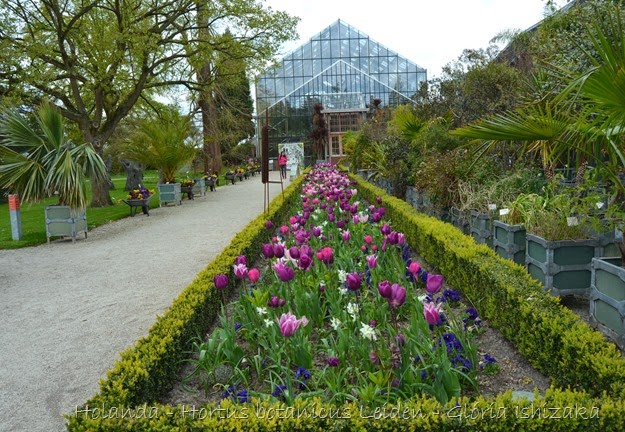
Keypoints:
pixel 555 341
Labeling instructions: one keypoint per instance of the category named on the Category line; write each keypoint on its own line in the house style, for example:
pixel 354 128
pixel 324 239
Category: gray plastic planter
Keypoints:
pixel 169 193
pixel 607 298
pixel 509 241
pixel 62 222
pixel 482 227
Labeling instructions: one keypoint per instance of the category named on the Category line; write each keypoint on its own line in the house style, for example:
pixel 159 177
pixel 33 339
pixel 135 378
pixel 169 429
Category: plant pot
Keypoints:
pixel 231 178
pixel 509 241
pixel 61 222
pixel 199 187
pixel 413 197
pixel 607 298
pixel 563 266
pixel 169 193
pixel 460 219
pixel 482 227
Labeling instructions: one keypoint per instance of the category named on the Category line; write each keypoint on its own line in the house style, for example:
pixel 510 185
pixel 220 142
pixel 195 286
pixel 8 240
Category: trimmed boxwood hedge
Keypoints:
pixel 588 370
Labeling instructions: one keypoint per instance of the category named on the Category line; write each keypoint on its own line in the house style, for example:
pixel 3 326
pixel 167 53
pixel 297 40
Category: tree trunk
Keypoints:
pixel 212 149
pixel 101 196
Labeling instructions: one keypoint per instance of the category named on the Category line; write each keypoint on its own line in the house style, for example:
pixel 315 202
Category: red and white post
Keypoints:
pixel 16 218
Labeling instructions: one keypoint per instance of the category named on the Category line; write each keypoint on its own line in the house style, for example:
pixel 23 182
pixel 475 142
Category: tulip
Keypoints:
pixel 353 281
pixel 368 239
pixel 333 361
pixel 306 250
pixel 384 288
pixel 241 260
pixel 385 229
pixel 431 313
pixel 316 231
pixel 289 324
pixel 278 250
pixel 240 270
pixel 414 268
pixel 372 261
pixel 341 224
pixel 326 255
pixel 305 262
pixel 268 251
pixel 284 229
pixel 346 235
pixel 293 220
pixel 269 225
pixel 285 273
pixel 433 283
pixel 294 252
pixel 254 275
pixel 220 281
pixel 275 302
pixel 393 238
pixel 398 296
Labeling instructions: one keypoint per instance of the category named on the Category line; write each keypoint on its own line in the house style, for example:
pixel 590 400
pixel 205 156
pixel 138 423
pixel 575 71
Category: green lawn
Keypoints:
pixel 33 220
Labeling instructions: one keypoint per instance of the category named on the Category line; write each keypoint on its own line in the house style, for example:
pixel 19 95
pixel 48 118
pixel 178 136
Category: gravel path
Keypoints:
pixel 67 310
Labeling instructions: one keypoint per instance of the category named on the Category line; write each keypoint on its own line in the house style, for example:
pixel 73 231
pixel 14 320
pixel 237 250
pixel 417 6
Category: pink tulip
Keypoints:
pixel 372 261
pixel 254 275
pixel 368 239
pixel 284 229
pixel 433 283
pixel 431 313
pixel 240 270
pixel 289 324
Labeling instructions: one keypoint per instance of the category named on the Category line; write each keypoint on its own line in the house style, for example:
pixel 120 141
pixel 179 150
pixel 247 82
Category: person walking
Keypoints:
pixel 282 163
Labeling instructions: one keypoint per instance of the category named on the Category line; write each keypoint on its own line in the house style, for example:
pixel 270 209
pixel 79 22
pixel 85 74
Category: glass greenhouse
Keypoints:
pixel 340 68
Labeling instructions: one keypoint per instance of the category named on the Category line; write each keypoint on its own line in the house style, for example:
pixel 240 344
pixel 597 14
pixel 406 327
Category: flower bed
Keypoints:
pixel 553 339
pixel 343 312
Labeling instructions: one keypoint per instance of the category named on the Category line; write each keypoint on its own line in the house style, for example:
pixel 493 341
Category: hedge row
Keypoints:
pixel 576 357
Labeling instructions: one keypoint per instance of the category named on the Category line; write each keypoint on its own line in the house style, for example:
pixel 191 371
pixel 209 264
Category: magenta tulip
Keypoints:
pixel 372 261
pixel 241 260
pixel 368 239
pixel 346 235
pixel 254 275
pixel 268 251
pixel 433 283
pixel 414 268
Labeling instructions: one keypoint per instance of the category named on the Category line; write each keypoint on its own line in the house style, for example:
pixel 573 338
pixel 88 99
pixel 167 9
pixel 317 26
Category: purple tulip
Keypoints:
pixel 269 225
pixel 285 273
pixel 340 224
pixel 393 238
pixel 346 235
pixel 372 323
pixel 384 288
pixel 333 361
pixel 353 281
pixel 316 231
pixel 276 302
pixel 220 281
pixel 376 217
pixel 305 262
pixel 294 252
pixel 278 250
pixel 385 229
pixel 306 250
pixel 241 260
pixel 268 251
pixel 433 283
pixel 398 296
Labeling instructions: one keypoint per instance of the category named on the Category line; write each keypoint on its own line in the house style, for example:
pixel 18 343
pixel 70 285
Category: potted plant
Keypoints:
pixel 211 181
pixel 139 197
pixel 186 186
pixel 39 161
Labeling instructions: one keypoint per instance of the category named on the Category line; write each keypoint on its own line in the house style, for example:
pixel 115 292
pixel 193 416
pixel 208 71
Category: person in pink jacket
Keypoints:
pixel 282 163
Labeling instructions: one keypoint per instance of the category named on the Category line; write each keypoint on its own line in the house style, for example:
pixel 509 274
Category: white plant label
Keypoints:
pixel 492 207
pixel 504 212
pixel 572 221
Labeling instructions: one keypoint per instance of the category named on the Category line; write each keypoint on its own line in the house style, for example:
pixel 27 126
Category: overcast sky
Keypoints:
pixel 429 33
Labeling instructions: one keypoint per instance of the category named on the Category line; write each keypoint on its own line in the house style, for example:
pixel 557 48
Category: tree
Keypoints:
pixel 94 60
pixel 38 160
pixel 162 141
pixel 255 34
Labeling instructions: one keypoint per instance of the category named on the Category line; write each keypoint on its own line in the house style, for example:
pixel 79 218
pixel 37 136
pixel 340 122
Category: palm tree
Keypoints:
pixel 162 143
pixel 38 160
